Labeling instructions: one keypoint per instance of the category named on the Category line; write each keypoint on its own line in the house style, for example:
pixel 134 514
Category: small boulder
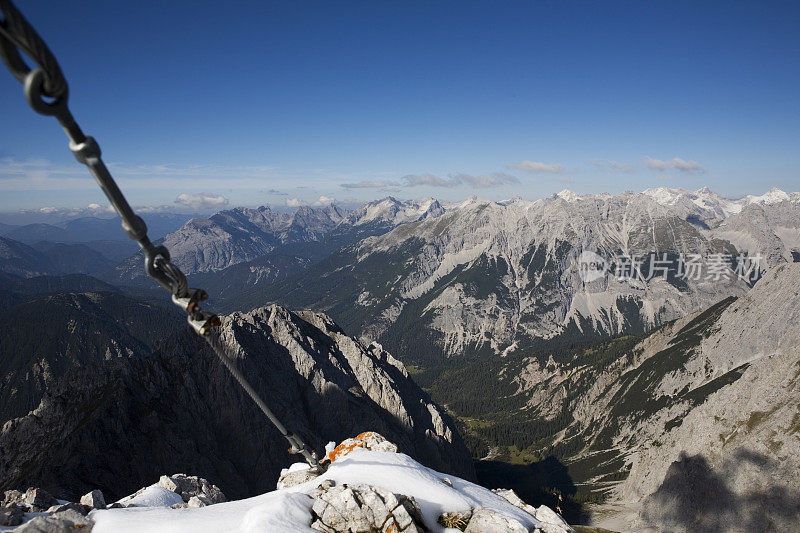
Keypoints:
pixel 551 521
pixel 39 499
pixel 513 499
pixel 67 521
pixel 198 501
pixel 166 482
pixel 484 520
pixel 82 509
pixel 368 440
pixel 188 486
pixel 291 478
pixel 94 499
pixel 13 497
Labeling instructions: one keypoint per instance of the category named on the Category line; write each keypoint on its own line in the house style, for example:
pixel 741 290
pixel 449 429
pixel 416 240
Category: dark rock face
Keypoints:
pixel 44 338
pixel 117 424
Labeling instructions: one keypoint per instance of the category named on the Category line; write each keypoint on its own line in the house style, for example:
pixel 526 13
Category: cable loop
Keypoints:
pixel 15 35
pixel 34 83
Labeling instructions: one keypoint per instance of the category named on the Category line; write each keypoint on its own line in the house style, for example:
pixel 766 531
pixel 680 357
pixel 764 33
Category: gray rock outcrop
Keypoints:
pixel 67 521
pixel 193 487
pixel 115 425
pixel 94 499
pixel 365 509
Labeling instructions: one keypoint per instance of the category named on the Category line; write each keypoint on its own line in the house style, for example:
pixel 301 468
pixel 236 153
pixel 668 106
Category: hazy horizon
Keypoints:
pixel 52 214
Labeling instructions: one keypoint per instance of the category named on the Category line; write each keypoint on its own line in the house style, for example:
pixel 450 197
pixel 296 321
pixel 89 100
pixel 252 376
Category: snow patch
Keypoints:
pixel 289 510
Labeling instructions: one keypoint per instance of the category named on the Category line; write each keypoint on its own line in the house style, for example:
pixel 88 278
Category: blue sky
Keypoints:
pixel 302 102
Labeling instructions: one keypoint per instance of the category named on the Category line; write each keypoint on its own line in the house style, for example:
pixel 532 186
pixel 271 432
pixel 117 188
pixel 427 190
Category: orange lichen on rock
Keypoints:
pixel 369 440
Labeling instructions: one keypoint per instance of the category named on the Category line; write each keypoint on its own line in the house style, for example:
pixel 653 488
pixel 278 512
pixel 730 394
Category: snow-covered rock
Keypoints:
pixel 364 508
pixel 153 496
pixel 364 491
pixel 369 440
pixel 192 486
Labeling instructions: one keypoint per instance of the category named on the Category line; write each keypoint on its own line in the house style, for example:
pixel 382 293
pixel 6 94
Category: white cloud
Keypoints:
pixel 324 201
pixel 202 201
pixel 417 180
pixel 537 167
pixel 609 165
pixel 193 171
pixel 676 163
pixel 370 184
pixel 294 202
pixel 429 180
pixel 44 175
pixel 487 180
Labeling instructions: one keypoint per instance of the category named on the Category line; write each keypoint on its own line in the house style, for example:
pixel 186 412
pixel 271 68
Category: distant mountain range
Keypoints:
pixel 87 245
pixel 241 235
pixel 503 277
pixel 88 229
pixel 475 277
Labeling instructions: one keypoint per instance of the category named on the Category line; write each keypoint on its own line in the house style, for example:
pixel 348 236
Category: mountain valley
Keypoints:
pixel 565 340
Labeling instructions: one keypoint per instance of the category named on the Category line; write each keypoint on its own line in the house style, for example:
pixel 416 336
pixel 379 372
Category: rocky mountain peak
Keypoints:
pixel 178 409
pixel 567 195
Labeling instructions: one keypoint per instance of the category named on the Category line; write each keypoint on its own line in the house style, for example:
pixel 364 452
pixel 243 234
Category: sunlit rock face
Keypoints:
pixel 500 278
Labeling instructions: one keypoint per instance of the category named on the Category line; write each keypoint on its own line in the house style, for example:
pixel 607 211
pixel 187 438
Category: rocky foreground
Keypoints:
pixel 368 488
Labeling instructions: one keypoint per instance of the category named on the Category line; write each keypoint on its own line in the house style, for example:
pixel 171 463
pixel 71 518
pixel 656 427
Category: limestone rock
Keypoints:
pixel 77 507
pixel 39 499
pixel 484 520
pixel 94 499
pixel 198 501
pixel 167 483
pixel 11 497
pixel 513 499
pixel 62 522
pixel 551 522
pixel 192 486
pixel 369 440
pixel 365 509
pixel 290 478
